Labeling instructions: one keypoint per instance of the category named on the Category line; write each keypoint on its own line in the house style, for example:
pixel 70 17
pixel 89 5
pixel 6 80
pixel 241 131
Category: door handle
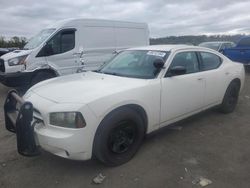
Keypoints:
pixel 77 54
pixel 200 79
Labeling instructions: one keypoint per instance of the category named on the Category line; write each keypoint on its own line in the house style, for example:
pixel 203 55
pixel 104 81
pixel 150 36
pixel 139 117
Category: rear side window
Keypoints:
pixel 186 59
pixel 209 61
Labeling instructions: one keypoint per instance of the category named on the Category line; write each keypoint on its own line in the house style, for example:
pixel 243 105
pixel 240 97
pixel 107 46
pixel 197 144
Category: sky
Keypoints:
pixel 164 17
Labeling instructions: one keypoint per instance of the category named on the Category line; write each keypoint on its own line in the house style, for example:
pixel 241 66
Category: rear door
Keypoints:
pixel 215 77
pixel 182 94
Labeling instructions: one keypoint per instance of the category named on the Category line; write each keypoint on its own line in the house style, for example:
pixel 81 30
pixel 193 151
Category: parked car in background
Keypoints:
pixel 106 113
pixel 241 52
pixel 3 51
pixel 219 46
pixel 70 46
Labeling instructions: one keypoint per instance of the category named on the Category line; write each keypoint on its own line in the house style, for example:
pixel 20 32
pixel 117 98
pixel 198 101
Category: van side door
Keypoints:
pixel 98 46
pixel 59 52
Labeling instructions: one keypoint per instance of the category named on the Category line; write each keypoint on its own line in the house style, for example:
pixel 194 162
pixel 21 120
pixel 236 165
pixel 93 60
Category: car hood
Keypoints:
pixel 83 87
pixel 15 53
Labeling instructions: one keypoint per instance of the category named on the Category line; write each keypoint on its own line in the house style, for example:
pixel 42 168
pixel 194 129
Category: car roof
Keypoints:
pixel 167 47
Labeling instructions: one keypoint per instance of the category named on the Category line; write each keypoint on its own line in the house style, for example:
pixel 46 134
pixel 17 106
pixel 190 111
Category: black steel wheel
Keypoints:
pixel 41 76
pixel 119 137
pixel 122 137
pixel 230 98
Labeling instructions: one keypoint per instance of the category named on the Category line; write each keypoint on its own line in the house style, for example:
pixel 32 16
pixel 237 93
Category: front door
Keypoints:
pixel 182 94
pixel 63 56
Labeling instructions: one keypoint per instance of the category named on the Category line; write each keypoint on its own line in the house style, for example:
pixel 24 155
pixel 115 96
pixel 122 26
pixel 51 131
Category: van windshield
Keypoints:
pixel 38 39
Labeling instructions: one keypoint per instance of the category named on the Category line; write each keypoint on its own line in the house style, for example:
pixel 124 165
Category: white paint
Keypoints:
pixel 164 99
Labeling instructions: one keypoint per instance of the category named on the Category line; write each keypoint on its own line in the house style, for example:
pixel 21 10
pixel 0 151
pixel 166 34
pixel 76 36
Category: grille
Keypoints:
pixel 2 67
pixel 37 115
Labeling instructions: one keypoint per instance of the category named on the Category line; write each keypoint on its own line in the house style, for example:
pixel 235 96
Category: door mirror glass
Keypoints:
pixel 177 70
pixel 158 63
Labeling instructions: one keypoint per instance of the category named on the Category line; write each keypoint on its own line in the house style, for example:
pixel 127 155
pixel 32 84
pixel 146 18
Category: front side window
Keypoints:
pixel 209 61
pixel 135 64
pixel 62 42
pixel 188 60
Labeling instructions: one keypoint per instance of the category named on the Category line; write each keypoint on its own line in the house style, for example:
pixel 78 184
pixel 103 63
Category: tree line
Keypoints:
pixel 19 42
pixel 13 42
pixel 195 40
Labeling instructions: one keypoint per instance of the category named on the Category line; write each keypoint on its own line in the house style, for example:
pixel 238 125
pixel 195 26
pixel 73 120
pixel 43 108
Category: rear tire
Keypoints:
pixel 230 98
pixel 119 137
pixel 41 76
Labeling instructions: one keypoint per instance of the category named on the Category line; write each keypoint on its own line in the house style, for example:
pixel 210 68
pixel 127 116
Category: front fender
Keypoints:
pixel 147 98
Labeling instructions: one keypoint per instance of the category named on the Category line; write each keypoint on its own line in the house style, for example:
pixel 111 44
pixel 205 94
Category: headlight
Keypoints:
pixel 17 60
pixel 67 119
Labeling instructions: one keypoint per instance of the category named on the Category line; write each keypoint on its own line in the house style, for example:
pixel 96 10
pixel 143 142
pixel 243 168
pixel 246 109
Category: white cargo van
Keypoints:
pixel 69 46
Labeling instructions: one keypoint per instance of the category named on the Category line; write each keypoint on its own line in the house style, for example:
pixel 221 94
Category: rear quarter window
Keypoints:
pixel 209 61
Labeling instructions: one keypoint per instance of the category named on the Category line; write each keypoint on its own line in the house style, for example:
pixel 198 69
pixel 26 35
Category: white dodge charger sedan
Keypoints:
pixel 107 113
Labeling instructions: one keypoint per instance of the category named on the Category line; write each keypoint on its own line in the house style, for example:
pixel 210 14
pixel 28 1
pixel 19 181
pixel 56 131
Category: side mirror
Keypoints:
pixel 158 63
pixel 177 70
pixel 48 49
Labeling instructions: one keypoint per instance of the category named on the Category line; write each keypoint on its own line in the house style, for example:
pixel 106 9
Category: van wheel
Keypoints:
pixel 230 98
pixel 41 76
pixel 118 137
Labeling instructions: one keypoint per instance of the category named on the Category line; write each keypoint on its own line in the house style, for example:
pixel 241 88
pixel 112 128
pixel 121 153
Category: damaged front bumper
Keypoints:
pixel 19 119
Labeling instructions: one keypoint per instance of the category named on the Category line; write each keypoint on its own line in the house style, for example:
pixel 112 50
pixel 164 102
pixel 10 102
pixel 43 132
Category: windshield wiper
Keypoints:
pixel 110 73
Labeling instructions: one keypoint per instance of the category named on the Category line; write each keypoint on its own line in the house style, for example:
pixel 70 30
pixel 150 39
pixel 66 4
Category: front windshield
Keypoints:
pixel 135 64
pixel 38 39
pixel 212 45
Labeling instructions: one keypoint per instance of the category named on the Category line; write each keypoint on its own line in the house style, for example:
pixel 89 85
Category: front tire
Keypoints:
pixel 230 98
pixel 41 76
pixel 119 137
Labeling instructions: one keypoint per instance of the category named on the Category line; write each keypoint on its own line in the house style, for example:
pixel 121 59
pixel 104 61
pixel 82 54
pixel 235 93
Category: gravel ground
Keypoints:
pixel 210 145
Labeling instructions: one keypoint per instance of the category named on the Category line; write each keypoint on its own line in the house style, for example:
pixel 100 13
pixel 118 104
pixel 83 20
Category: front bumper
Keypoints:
pixel 20 121
pixel 16 79
pixel 32 133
